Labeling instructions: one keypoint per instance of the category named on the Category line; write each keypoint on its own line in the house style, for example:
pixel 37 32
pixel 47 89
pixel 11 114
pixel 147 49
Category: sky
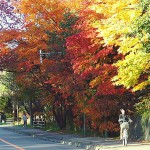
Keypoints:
pixel 9 19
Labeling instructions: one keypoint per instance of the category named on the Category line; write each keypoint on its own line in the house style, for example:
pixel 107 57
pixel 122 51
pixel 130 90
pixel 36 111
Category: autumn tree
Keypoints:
pixel 10 22
pixel 127 27
pixel 91 51
pixel 94 62
pixel 117 33
pixel 46 27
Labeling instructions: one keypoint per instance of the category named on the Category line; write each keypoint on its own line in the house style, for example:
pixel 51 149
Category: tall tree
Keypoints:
pixel 93 60
pixel 46 27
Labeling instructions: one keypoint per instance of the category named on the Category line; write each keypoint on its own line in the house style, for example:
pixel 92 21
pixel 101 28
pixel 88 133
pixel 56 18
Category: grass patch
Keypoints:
pixel 1 123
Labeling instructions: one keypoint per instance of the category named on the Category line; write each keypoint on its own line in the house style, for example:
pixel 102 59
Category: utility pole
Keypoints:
pixel 84 126
pixel 41 56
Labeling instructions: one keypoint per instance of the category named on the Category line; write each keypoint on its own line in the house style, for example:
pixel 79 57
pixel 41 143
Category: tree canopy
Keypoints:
pixel 95 55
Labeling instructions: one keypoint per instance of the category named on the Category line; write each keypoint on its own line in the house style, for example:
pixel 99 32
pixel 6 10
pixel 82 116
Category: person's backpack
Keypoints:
pixel 128 119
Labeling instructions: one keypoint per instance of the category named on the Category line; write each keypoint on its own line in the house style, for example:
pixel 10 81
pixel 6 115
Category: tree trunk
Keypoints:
pixel 60 116
pixel 31 113
pixel 146 130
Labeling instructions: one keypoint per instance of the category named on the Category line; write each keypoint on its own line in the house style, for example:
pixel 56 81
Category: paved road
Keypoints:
pixel 13 141
pixel 43 140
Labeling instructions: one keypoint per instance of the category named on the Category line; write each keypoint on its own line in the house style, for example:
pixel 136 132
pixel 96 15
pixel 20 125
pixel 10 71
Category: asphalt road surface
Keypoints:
pixel 13 141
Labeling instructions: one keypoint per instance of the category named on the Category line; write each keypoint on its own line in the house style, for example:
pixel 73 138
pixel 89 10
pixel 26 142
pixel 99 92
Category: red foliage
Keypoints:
pixel 93 62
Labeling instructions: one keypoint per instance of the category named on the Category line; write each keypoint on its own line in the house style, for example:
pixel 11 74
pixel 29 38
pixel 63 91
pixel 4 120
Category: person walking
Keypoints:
pixel 24 117
pixel 124 121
